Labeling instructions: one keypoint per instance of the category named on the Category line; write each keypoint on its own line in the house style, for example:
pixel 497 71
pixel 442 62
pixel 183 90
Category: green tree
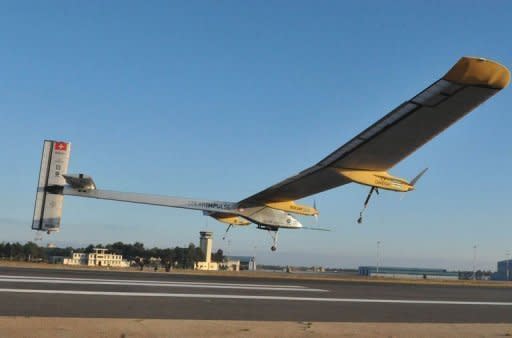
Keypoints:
pixel 190 256
pixel 2 250
pixel 218 256
pixel 8 250
pixel 180 255
pixel 31 251
pixel 17 251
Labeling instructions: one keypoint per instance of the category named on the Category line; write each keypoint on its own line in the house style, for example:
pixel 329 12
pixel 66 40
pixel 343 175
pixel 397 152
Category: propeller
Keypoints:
pixel 316 221
pixel 417 178
pixel 315 215
pixel 414 181
pixel 316 228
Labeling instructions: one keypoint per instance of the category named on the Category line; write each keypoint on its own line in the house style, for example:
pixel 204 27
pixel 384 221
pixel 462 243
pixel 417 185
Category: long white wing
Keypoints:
pixel 469 83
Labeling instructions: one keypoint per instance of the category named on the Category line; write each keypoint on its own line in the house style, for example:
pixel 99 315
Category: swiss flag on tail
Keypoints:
pixel 60 146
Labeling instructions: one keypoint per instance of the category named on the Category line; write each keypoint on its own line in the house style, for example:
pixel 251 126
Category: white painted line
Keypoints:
pixel 151 281
pixel 169 284
pixel 249 297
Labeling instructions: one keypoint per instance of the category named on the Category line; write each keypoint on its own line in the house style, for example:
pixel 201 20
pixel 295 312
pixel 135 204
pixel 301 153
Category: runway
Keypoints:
pixel 82 293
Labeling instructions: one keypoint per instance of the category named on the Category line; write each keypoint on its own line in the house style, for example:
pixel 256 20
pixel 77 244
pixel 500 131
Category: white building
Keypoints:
pixel 99 257
pixel 77 258
pixel 230 264
pixel 237 263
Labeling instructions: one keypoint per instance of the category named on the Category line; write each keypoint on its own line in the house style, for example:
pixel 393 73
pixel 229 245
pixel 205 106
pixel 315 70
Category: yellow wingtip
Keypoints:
pixel 480 72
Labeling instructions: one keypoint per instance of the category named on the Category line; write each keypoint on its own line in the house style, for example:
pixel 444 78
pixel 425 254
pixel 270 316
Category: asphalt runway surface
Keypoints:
pixel 106 294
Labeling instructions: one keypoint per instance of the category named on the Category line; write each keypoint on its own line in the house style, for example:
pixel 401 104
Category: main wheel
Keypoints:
pixel 273 248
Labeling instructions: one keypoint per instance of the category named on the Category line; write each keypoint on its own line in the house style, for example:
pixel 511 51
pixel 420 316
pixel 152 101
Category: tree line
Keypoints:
pixel 176 257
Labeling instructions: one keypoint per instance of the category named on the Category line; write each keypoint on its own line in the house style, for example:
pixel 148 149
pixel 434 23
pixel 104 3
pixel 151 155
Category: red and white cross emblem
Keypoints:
pixel 61 146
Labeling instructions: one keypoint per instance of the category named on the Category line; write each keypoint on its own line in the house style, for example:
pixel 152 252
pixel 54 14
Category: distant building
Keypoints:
pixel 400 272
pixel 77 258
pixel 229 264
pixel 56 259
pixel 99 257
pixel 205 242
pixel 504 270
pixel 244 262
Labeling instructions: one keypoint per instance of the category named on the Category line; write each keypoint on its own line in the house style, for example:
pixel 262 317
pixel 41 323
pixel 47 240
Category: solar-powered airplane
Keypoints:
pixel 365 159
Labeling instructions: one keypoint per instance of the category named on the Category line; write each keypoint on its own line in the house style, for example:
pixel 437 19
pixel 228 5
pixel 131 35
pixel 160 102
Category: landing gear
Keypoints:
pixel 272 230
pixel 273 234
pixel 226 233
pixel 360 219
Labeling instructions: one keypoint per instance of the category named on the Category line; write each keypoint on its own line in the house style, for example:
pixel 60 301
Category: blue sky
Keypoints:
pixel 221 99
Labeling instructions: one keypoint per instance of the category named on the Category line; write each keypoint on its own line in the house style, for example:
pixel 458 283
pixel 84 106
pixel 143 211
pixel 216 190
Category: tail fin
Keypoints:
pixel 49 198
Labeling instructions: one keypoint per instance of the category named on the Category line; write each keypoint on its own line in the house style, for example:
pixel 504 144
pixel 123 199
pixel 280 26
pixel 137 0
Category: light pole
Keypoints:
pixel 508 261
pixel 474 261
pixel 378 256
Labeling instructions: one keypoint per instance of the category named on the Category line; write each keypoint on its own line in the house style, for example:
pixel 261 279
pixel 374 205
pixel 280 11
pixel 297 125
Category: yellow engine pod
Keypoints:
pixel 291 206
pixel 379 179
pixel 235 220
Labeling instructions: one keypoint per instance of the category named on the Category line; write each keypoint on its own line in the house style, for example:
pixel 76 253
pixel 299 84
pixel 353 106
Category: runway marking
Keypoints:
pixel 148 280
pixel 249 297
pixel 90 281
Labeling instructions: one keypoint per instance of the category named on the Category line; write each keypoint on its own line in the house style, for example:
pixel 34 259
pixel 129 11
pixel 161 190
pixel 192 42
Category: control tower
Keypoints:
pixel 206 245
